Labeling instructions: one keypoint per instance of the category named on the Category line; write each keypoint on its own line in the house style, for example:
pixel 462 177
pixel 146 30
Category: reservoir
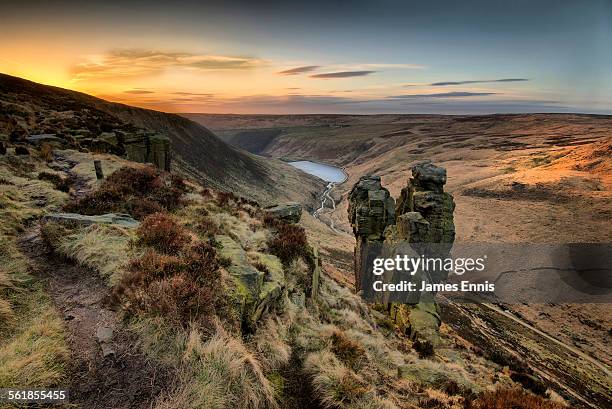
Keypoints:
pixel 326 172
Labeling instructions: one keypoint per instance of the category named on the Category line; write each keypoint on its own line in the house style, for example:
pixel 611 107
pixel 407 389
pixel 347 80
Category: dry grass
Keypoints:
pixel 33 350
pixel 272 343
pixel 46 152
pixel 335 384
pixel 220 373
pixel 104 248
pixel 36 354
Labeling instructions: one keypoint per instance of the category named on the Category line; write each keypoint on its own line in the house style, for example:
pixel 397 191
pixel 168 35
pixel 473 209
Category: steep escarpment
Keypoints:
pixel 30 108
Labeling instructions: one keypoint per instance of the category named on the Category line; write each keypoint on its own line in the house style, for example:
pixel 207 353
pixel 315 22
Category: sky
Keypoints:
pixel 364 57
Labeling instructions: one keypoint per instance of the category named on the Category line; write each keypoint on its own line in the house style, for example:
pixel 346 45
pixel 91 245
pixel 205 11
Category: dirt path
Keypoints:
pixel 107 370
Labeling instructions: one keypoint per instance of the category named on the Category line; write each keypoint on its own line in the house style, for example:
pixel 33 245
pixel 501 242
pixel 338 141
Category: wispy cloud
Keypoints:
pixel 127 63
pixel 457 94
pixel 446 83
pixel 342 74
pixel 138 91
pixel 199 94
pixel 299 70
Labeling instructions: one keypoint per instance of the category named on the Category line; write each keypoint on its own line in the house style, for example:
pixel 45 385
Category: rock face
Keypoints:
pixel 119 219
pixel 147 147
pixel 425 195
pixel 288 212
pixel 423 218
pixel 371 210
pixel 256 291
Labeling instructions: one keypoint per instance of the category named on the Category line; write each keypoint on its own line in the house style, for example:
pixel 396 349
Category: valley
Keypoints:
pixel 187 281
pixel 533 178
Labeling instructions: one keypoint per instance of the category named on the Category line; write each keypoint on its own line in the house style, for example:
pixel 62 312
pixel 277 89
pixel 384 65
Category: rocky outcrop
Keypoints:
pixel 422 218
pixel 119 219
pixel 371 210
pixel 425 195
pixel 256 291
pixel 288 212
pixel 147 147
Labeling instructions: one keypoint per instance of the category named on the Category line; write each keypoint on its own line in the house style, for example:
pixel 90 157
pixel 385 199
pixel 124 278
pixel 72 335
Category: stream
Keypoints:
pixel 331 174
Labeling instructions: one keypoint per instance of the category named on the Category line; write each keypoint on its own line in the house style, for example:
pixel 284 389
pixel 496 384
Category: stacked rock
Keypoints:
pixel 423 218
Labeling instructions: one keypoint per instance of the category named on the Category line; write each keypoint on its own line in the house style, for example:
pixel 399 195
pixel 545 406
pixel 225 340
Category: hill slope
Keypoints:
pixel 198 151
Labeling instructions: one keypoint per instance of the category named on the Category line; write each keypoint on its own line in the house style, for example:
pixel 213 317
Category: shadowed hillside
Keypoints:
pixel 35 109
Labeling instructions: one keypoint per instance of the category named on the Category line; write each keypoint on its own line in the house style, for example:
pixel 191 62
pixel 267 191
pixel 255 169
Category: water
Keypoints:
pixel 326 172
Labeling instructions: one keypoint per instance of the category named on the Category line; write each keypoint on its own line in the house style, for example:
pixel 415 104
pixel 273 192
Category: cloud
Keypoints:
pixel 342 74
pixel 127 63
pixel 456 94
pixel 137 91
pixel 299 70
pixel 446 83
pixel 198 94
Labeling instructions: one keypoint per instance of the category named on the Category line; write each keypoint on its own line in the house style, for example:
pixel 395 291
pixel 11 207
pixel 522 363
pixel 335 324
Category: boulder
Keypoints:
pixel 255 291
pixel 288 212
pixel 427 176
pixel 119 219
pixel 51 139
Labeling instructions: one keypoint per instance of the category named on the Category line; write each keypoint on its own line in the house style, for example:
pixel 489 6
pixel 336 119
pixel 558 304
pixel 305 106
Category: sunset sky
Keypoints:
pixel 471 56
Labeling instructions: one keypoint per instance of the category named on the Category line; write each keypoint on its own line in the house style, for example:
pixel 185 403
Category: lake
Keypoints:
pixel 326 172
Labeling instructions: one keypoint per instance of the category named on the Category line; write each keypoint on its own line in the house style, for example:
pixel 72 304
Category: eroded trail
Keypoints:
pixel 106 368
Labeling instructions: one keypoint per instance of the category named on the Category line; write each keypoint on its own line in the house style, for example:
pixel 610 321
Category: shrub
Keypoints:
pixel 141 208
pixel 183 288
pixel 289 243
pixel 162 232
pixel 180 300
pixel 513 399
pixel 424 348
pixel 46 152
pixel 207 226
pixel 60 183
pixel 224 199
pixel 138 191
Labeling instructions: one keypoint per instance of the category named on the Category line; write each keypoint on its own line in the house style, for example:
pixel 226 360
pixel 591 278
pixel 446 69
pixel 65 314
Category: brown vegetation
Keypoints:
pixel 179 282
pixel 347 350
pixel 46 152
pixel 138 191
pixel 513 399
pixel 289 242
pixel 163 233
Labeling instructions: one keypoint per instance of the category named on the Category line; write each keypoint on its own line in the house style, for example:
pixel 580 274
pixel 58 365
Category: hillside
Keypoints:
pixel 529 178
pixel 41 109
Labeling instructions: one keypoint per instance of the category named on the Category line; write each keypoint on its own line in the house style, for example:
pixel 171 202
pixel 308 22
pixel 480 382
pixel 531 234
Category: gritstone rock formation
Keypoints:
pixel 423 218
